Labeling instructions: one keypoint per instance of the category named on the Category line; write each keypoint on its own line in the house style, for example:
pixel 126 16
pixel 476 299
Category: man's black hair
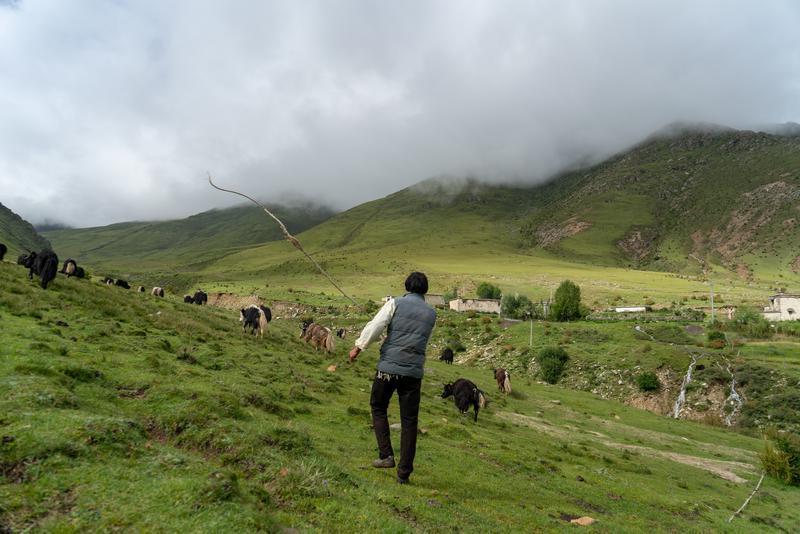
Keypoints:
pixel 417 283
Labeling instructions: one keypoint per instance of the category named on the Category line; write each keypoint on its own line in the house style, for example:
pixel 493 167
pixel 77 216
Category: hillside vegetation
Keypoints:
pixel 682 202
pixel 18 234
pixel 122 411
pixel 185 243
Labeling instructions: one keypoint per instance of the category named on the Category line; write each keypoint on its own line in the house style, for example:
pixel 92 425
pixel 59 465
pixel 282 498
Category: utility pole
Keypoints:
pixel 711 285
pixel 530 341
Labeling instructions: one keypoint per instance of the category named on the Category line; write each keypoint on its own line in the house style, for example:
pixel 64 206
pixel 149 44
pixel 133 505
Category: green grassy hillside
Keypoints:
pixel 18 234
pixel 721 198
pixel 187 243
pixel 120 411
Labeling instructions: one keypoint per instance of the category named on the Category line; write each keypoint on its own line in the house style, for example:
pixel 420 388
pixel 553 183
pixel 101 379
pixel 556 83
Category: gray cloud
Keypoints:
pixel 115 110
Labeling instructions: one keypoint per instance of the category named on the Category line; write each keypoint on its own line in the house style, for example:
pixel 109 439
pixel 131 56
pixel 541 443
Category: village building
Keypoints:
pixel 632 309
pixel 783 307
pixel 434 300
pixel 478 305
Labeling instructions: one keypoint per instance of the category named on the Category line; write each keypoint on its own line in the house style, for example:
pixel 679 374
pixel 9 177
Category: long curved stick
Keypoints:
pixel 289 237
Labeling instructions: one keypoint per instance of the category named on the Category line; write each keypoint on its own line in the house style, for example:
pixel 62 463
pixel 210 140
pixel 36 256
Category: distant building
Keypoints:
pixel 632 309
pixel 783 307
pixel 478 305
pixel 435 300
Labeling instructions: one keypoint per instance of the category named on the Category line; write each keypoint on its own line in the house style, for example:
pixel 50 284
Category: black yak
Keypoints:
pixel 108 281
pixel 465 393
pixel 3 250
pixel 503 380
pixel 157 292
pixel 200 297
pixel 122 283
pixel 26 260
pixel 79 272
pixel 256 318
pixel 188 299
pixel 45 266
pixel 447 355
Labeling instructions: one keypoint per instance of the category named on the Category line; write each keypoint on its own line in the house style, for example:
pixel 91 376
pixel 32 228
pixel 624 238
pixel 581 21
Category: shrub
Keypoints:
pixel 648 382
pixel 716 335
pixel 781 456
pixel 751 323
pixel 489 291
pixel 552 361
pixel 450 294
pixel 567 303
pixel 516 306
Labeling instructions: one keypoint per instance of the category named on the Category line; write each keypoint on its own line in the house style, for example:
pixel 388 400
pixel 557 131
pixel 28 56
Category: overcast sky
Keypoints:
pixel 114 110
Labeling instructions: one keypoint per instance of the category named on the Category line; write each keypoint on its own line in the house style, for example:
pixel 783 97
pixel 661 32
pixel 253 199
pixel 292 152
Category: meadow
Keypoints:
pixel 122 411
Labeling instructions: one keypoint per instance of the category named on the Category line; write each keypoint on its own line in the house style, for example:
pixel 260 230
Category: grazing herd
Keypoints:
pixel 255 320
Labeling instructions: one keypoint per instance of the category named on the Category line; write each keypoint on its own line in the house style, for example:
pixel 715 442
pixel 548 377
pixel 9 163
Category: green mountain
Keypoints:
pixel 18 234
pixel 694 198
pixel 651 223
pixel 185 242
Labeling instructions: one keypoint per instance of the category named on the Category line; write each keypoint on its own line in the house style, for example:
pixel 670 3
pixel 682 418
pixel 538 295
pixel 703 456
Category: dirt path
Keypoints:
pixel 721 468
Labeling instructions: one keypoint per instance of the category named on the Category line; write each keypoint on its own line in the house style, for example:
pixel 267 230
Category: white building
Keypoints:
pixel 632 309
pixel 783 307
pixel 478 305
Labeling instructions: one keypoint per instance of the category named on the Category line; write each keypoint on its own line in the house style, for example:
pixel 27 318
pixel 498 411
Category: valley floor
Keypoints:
pixel 120 411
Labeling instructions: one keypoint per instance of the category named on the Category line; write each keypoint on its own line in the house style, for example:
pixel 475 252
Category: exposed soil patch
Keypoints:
pixel 796 265
pixel 637 244
pixel 552 233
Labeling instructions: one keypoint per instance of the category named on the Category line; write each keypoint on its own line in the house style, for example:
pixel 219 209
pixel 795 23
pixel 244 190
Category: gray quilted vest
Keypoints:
pixel 403 352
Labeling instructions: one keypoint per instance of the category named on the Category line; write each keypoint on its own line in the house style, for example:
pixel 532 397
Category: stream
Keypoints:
pixel 676 410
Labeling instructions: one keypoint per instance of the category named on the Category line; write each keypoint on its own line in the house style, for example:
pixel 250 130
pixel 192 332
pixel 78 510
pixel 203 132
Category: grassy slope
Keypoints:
pixel 185 242
pixel 18 234
pixel 124 411
pixel 693 184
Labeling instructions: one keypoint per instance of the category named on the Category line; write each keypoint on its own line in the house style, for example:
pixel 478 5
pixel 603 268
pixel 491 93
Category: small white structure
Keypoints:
pixel 478 305
pixel 435 300
pixel 783 307
pixel 632 309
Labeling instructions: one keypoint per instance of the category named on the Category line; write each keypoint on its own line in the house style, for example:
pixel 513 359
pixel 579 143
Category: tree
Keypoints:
pixel 489 291
pixel 516 307
pixel 552 361
pixel 567 303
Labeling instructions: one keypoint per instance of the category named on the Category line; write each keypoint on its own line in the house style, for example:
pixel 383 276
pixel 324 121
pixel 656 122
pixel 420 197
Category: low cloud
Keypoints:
pixel 116 110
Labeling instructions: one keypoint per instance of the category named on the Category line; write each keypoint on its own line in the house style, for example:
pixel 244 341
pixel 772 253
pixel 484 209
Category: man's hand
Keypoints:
pixel 354 354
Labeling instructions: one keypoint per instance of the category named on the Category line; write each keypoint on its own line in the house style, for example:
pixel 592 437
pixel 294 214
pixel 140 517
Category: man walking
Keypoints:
pixel 409 321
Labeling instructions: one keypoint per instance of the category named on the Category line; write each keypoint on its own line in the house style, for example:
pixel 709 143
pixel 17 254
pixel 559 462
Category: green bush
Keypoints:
pixel 552 361
pixel 750 323
pixel 567 303
pixel 781 456
pixel 489 291
pixel 716 335
pixel 648 382
pixel 516 307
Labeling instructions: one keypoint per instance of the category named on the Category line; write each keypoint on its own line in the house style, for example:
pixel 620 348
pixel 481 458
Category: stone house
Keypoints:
pixel 783 307
pixel 434 300
pixel 478 305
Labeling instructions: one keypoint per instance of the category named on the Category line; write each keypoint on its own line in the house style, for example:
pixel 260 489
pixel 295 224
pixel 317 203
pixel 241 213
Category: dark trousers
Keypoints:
pixel 408 393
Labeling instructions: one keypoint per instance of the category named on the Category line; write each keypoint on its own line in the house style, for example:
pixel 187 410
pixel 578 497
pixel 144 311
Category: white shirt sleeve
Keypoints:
pixel 372 332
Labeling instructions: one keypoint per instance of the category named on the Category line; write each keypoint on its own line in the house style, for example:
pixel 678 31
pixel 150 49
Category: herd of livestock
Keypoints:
pixel 255 319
